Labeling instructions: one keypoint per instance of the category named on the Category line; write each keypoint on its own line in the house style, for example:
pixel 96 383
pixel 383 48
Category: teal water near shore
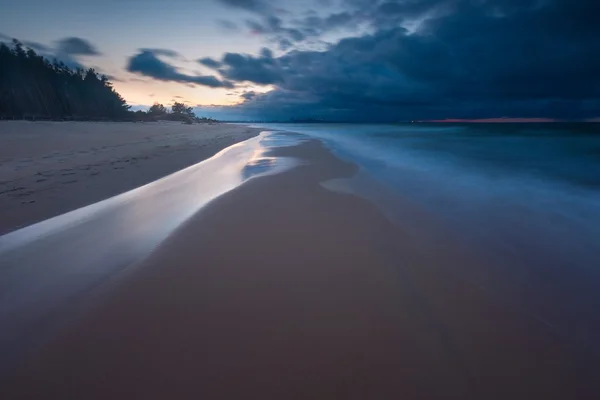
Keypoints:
pixel 477 174
pixel 526 196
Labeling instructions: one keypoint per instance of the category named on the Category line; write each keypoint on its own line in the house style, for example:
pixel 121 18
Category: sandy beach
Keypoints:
pixel 49 168
pixel 282 289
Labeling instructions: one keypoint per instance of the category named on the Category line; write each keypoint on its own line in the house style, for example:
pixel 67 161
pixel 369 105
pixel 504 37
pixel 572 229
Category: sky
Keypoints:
pixel 338 60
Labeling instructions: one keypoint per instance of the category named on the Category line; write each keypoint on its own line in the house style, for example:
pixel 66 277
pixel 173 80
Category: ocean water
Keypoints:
pixel 460 171
pixel 526 197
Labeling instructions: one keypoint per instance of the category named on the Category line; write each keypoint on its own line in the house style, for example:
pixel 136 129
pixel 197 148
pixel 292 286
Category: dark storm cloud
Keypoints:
pixel 148 64
pixel 263 70
pixel 248 95
pixel 409 8
pixel 313 24
pixel 76 46
pixel 286 29
pixel 466 59
pixel 379 14
pixel 273 27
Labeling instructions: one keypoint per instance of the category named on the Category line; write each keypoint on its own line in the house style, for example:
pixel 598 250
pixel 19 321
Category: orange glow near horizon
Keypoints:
pixel 147 92
pixel 494 120
pixel 150 92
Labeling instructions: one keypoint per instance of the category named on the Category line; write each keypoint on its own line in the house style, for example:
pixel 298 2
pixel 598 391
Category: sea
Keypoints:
pixel 524 197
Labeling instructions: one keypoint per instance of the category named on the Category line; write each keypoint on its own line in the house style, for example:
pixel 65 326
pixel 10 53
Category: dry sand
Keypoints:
pixel 282 289
pixel 49 168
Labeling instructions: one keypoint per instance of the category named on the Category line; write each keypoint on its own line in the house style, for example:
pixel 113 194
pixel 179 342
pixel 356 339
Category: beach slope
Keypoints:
pixel 281 289
pixel 50 168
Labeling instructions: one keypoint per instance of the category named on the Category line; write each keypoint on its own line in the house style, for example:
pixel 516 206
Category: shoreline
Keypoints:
pixel 285 289
pixel 47 265
pixel 50 168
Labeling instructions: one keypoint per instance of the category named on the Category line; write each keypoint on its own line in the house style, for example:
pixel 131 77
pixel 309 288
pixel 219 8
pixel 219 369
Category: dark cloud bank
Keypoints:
pixel 147 63
pixel 422 59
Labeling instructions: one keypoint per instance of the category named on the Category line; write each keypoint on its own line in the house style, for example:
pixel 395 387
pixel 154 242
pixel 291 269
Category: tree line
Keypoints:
pixel 179 112
pixel 33 87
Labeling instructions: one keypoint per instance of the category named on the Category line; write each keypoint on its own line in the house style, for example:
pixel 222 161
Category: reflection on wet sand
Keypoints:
pixel 44 265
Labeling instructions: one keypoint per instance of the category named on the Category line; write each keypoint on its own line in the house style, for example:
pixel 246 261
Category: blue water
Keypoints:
pixel 459 168
pixel 526 196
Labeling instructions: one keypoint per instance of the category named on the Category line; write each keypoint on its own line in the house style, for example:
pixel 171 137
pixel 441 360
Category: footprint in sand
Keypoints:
pixel 12 190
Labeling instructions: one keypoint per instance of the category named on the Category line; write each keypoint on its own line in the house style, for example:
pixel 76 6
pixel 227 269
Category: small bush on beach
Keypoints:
pixel 179 112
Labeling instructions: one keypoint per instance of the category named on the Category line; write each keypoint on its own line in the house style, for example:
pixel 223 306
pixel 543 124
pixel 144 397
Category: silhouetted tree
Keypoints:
pixel 180 108
pixel 179 112
pixel 157 110
pixel 206 120
pixel 140 115
pixel 33 87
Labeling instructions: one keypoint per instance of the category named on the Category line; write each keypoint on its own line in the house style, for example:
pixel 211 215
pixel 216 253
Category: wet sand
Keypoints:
pixel 281 289
pixel 50 168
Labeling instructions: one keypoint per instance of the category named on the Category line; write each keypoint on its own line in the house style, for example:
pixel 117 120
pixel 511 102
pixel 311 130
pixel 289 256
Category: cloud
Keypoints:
pixel 262 70
pixel 314 25
pixel 75 46
pixel 209 62
pixel 38 47
pixel 257 6
pixel 67 50
pixel 111 77
pixel 228 25
pixel 465 59
pixel 275 31
pixel 147 63
pixel 249 95
pixel 283 28
pixel 5 38
pixel 162 52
